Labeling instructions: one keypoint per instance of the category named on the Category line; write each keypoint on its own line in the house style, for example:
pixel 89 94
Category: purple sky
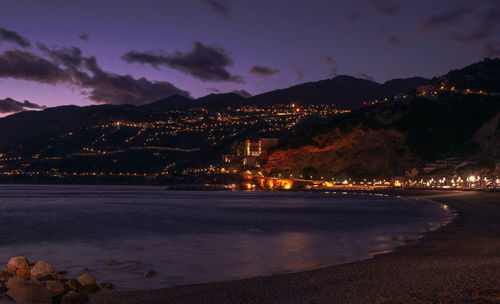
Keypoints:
pixel 204 46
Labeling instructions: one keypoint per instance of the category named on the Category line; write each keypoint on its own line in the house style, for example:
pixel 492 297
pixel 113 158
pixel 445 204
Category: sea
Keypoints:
pixel 118 233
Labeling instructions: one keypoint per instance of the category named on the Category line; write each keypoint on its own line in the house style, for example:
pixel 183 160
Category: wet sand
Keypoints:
pixel 459 263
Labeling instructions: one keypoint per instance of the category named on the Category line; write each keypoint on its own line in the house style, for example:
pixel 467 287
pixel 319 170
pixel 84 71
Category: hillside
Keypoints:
pixel 346 91
pixel 388 139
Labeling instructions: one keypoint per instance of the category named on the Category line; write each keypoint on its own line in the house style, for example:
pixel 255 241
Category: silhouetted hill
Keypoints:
pixel 346 91
pixel 221 100
pixel 483 75
pixel 172 102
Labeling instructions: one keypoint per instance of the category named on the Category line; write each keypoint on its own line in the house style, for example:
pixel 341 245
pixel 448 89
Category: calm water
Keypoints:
pixel 189 237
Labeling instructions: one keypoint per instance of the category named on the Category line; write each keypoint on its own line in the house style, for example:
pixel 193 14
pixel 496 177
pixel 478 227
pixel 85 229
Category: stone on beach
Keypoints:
pixel 42 268
pixel 17 262
pixel 55 288
pixel 86 279
pixel 111 263
pixel 73 284
pixel 14 280
pixel 5 275
pixel 106 286
pixel 150 274
pixel 28 291
pixel 72 297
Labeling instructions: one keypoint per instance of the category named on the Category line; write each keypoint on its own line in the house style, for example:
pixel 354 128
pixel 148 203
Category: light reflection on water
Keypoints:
pixel 189 237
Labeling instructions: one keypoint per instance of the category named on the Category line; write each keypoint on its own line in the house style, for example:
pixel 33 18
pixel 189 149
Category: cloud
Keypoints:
pixel 84 36
pixel 28 66
pixel 364 76
pixel 386 7
pixel 333 71
pixel 262 71
pixel 69 57
pixel 213 90
pixel 394 40
pixel 300 74
pixel 67 65
pixel 6 35
pixel 445 19
pixel 242 93
pixel 9 105
pixel 491 49
pixel 122 89
pixel 207 63
pixel 471 25
pixel 218 6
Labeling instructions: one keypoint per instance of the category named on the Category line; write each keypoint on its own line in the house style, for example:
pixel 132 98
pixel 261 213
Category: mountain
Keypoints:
pixel 483 75
pixel 172 102
pixel 345 91
pixel 387 139
pixel 222 100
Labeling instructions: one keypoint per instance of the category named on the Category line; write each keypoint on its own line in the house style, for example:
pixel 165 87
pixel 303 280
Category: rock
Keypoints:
pixel 63 273
pixel 5 275
pixel 55 288
pixel 106 286
pixel 150 274
pixel 17 262
pixel 22 272
pixel 87 289
pixel 14 280
pixel 111 263
pixel 28 291
pixel 86 279
pixel 3 288
pixel 73 284
pixel 72 297
pixel 5 299
pixel 48 277
pixel 42 268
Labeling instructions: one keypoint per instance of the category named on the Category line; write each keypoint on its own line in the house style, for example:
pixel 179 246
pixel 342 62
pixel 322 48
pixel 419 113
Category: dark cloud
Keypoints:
pixel 6 35
pixel 445 19
pixel 394 40
pixel 207 63
pixel 355 16
pixel 218 6
pixel 471 25
pixel 69 57
pixel 28 66
pixel 262 71
pixel 84 36
pixel 213 90
pixel 122 89
pixel 364 76
pixel 242 93
pixel 300 74
pixel 333 71
pixel 67 65
pixel 491 49
pixel 10 105
pixel 386 7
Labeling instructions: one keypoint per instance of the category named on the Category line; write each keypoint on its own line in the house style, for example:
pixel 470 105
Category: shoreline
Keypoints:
pixel 457 263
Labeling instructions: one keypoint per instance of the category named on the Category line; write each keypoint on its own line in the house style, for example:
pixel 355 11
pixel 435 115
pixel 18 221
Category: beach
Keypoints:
pixel 458 263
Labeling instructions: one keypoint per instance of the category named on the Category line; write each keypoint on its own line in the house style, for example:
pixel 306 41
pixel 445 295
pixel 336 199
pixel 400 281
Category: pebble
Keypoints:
pixel 28 291
pixel 150 274
pixel 72 297
pixel 55 288
pixel 106 286
pixel 86 279
pixel 42 268
pixel 17 262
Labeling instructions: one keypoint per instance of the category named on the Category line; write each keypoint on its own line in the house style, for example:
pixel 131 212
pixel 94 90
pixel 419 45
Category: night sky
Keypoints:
pixel 127 51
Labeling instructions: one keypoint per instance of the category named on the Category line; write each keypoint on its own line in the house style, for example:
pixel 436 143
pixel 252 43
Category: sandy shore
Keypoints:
pixel 459 263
